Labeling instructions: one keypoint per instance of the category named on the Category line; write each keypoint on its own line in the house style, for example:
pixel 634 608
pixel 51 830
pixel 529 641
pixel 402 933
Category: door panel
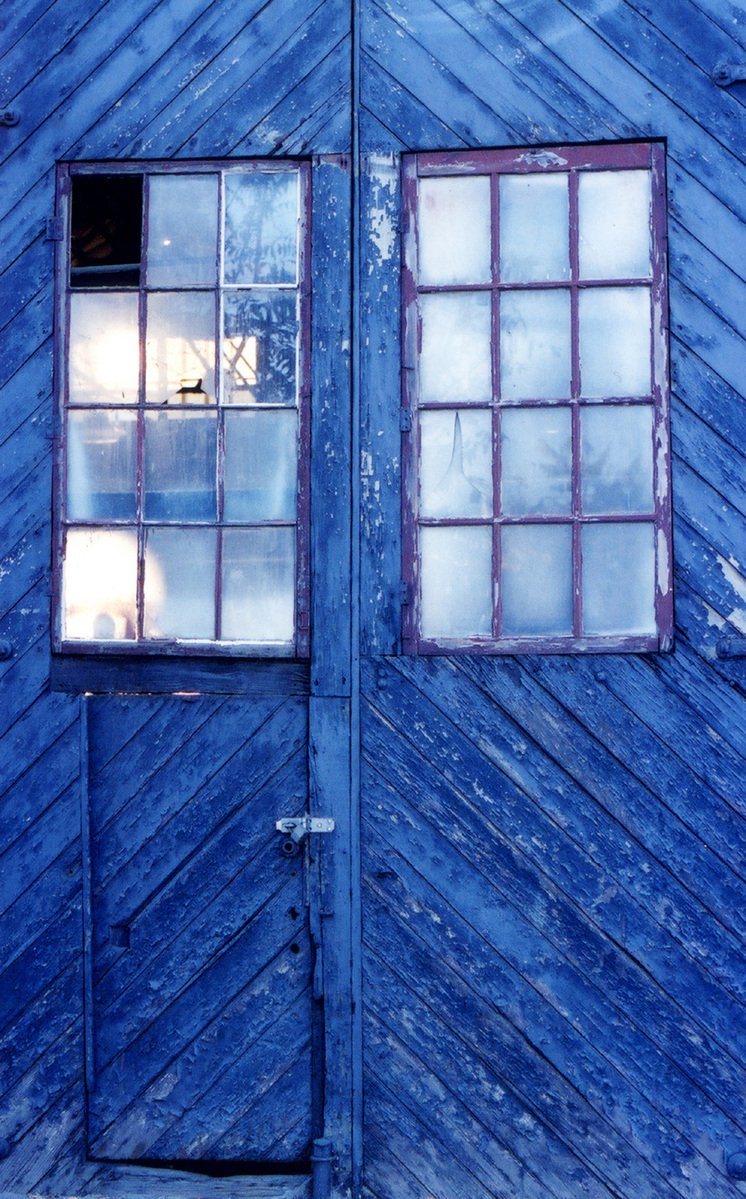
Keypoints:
pixel 201 960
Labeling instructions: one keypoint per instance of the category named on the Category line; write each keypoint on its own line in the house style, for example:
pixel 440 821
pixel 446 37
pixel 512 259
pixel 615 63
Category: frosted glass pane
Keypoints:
pixel 179 474
pixel 456 463
pixel 258 585
pixel 456 356
pixel 100 585
pixel 536 580
pixel 615 341
pixel 182 230
pixel 261 465
pixel 619 578
pixel 101 462
pixel 453 223
pixel 617 459
pixel 104 348
pixel 456 580
pixel 536 461
pixel 260 347
pixel 535 358
pixel 534 228
pixel 180 351
pixel 261 227
pixel 614 215
pixel 180 583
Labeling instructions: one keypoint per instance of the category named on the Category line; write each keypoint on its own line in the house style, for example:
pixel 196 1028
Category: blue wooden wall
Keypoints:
pixel 552 850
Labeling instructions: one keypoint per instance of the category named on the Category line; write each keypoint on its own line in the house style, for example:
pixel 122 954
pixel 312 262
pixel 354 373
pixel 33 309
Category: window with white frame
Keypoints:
pixel 535 395
pixel 182 482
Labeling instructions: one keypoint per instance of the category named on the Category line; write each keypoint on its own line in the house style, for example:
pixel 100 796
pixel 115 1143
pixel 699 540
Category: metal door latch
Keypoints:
pixel 298 827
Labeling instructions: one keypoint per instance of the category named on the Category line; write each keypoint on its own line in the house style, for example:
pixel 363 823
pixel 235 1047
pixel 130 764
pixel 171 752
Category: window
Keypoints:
pixel 537 490
pixel 183 486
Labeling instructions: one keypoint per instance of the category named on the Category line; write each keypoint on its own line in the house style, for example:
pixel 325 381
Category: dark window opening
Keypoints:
pixel 105 230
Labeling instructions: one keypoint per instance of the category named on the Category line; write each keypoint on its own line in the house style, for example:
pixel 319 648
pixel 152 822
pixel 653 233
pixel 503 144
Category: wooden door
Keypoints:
pixel 552 845
pixel 201 960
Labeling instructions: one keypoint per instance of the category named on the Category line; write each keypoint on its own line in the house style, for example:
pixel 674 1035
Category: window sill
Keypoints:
pixel 155 674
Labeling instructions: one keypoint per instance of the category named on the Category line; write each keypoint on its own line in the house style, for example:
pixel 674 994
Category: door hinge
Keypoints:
pixel 403 591
pixel 405 420
pixel 55 228
pixel 298 827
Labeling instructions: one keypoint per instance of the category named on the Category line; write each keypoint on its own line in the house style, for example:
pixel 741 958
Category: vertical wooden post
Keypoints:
pixel 330 709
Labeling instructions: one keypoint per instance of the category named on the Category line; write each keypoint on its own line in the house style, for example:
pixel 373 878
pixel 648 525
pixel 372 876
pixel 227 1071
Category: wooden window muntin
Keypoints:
pixel 573 162
pixel 293 641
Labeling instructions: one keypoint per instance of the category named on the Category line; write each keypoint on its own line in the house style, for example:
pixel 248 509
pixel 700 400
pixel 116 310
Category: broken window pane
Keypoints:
pixel 105 230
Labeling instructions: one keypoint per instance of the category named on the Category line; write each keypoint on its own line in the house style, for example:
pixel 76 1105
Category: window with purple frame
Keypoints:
pixel 536 455
pixel 182 480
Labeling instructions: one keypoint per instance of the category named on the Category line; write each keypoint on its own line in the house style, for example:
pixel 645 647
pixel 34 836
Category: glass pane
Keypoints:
pixel 261 465
pixel 100 585
pixel 261 227
pixel 182 230
pixel 619 579
pixel 101 462
pixel 536 580
pixel 534 228
pixel 180 350
pixel 104 348
pixel 456 575
pixel 456 356
pixel 258 585
pixel 105 230
pixel 615 341
pixel 536 461
pixel 617 459
pixel 614 215
pixel 453 225
pixel 180 449
pixel 180 584
pixel 535 345
pixel 456 464
pixel 260 348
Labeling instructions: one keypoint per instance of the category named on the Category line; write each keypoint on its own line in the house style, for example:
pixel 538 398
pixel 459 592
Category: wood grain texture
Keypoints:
pixel 553 850
pixel 95 79
pixel 552 846
pixel 206 1008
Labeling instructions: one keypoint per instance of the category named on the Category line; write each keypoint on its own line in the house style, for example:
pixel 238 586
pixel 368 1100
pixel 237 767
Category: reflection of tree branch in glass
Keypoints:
pixel 241 355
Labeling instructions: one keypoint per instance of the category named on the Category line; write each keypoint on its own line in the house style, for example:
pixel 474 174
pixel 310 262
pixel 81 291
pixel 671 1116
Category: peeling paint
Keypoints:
pixel 542 158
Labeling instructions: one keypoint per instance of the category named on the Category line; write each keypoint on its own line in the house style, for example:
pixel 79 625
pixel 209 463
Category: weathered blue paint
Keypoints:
pixel 551 849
